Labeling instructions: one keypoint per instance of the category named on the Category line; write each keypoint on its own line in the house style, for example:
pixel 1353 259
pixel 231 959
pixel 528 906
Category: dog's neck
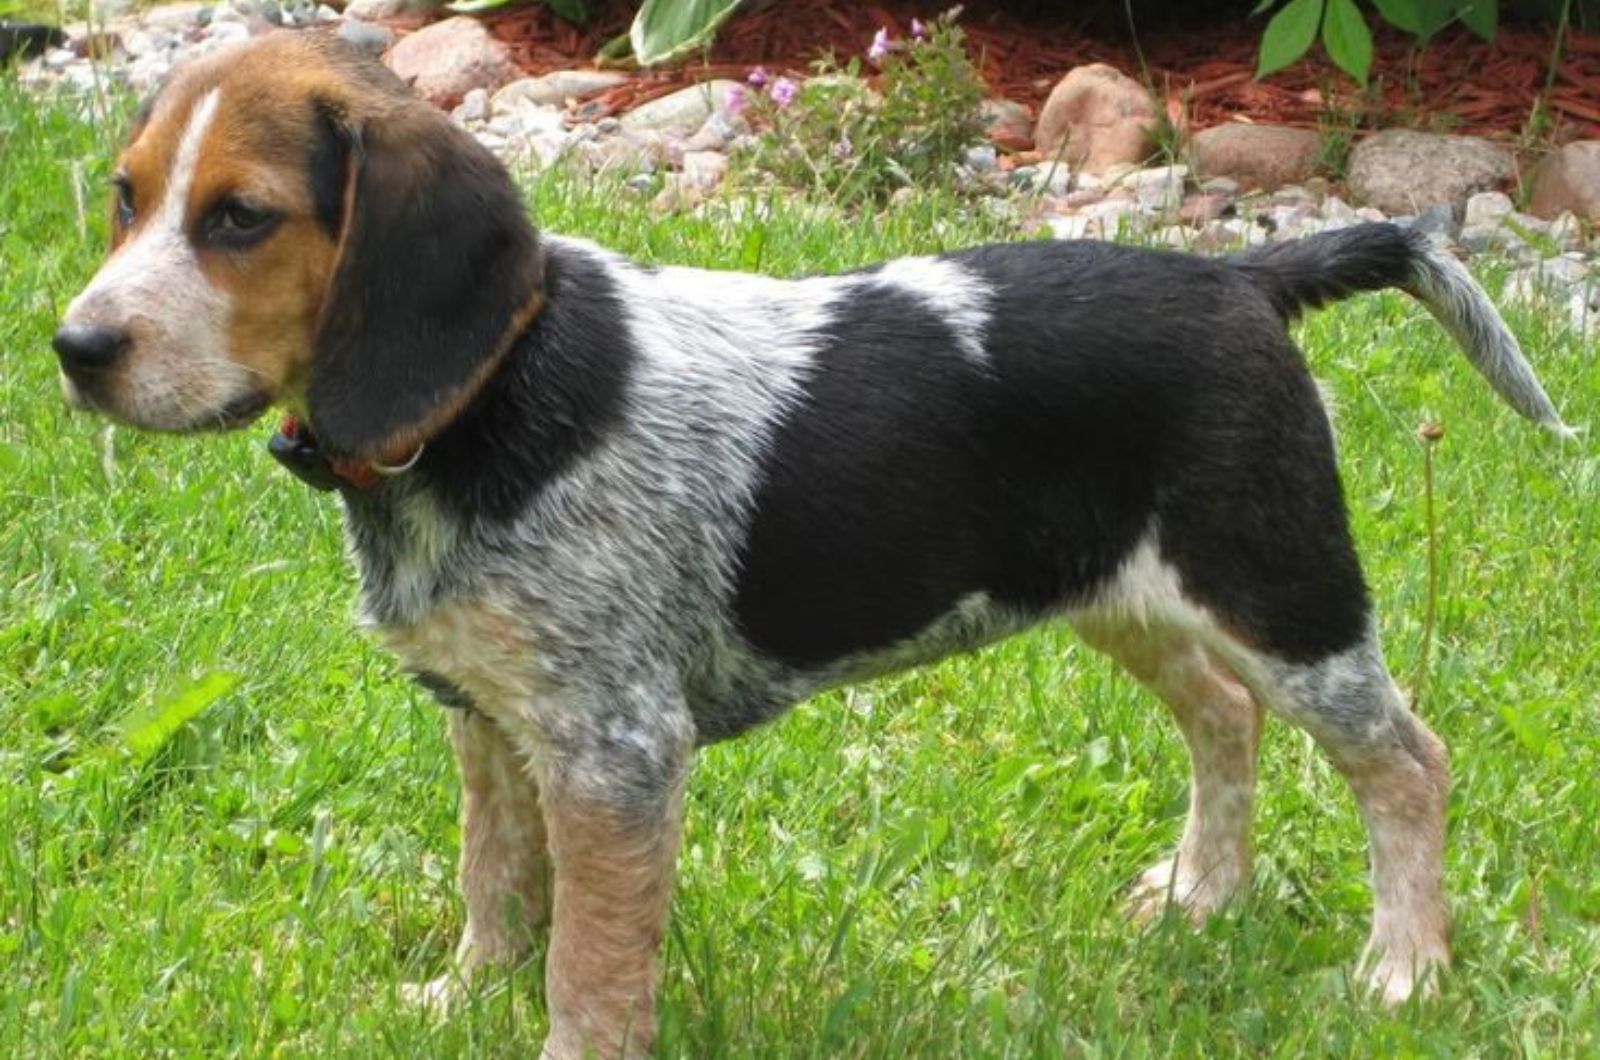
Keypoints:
pixel 550 402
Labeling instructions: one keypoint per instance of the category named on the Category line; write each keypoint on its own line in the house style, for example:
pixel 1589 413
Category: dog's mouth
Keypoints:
pixel 242 411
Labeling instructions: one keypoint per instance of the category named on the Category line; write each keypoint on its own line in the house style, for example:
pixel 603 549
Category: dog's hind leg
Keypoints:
pixel 1400 775
pixel 1221 724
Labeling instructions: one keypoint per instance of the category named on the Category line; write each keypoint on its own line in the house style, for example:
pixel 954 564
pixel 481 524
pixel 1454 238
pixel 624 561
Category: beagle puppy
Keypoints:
pixel 613 512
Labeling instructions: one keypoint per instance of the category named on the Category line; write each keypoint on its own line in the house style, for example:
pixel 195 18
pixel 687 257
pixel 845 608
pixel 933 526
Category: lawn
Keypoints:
pixel 927 866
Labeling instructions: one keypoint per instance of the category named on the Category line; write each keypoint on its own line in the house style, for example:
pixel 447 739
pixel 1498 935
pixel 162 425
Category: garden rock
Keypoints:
pixel 1400 171
pixel 367 36
pixel 1159 189
pixel 558 86
pixel 1256 156
pixel 1007 123
pixel 177 16
pixel 684 111
pixel 448 59
pixel 1488 208
pixel 373 10
pixel 1569 180
pixel 704 169
pixel 1100 117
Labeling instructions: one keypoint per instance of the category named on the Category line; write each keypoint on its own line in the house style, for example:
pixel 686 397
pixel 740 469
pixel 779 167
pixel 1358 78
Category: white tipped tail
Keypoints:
pixel 1447 289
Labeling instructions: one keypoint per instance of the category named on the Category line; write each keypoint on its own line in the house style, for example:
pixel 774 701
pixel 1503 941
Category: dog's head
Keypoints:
pixel 292 226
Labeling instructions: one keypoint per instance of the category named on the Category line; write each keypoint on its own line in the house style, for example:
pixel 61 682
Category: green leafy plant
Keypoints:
pixel 837 134
pixel 1346 35
pixel 662 30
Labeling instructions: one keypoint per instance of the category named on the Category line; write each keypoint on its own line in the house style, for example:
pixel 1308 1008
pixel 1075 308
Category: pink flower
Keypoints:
pixel 737 100
pixel 843 149
pixel 759 76
pixel 919 28
pixel 784 91
pixel 880 46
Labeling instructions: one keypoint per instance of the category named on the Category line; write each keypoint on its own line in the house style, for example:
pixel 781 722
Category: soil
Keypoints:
pixel 1457 83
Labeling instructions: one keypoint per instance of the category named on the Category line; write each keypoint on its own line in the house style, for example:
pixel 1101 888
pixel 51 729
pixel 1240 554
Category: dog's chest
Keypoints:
pixel 470 653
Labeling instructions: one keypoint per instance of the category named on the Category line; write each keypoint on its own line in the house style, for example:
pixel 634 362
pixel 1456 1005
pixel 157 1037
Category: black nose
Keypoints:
pixel 88 347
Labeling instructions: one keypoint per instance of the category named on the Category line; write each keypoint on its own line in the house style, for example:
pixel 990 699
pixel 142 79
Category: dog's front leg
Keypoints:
pixel 613 811
pixel 504 868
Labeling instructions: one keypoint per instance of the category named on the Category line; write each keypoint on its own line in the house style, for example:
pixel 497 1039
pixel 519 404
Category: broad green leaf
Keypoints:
pixel 1288 35
pixel 571 10
pixel 1422 18
pixel 1482 17
pixel 1347 38
pixel 148 731
pixel 665 29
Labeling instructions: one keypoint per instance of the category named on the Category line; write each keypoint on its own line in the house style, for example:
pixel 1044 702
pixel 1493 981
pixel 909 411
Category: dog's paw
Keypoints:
pixel 1170 882
pixel 436 997
pixel 1395 975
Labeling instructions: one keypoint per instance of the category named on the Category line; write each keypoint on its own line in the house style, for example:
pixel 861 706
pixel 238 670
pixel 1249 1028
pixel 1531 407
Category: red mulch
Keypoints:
pixel 1458 83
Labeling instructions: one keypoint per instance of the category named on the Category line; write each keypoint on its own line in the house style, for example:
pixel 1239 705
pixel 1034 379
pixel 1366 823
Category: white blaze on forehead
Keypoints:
pixel 180 180
pixel 160 248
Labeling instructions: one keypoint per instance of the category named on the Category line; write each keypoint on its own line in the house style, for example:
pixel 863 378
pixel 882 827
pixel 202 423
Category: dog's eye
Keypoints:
pixel 124 206
pixel 235 223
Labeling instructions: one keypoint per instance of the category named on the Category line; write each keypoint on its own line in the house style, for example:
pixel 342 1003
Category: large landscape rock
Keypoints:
pixel 1256 156
pixel 684 111
pixel 1401 171
pixel 370 10
pixel 1101 116
pixel 558 86
pixel 1569 179
pixel 448 59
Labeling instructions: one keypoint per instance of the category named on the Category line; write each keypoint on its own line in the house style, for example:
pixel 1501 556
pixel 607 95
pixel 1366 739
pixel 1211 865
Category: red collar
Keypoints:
pixel 296 448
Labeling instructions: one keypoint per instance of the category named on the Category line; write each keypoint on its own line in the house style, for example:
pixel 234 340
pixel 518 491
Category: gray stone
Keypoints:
pixel 1097 117
pixel 704 169
pixel 719 131
pixel 1051 178
pixel 474 106
pixel 1337 212
pixel 266 10
pixel 448 59
pixel 1404 171
pixel 375 9
pixel 684 111
pixel 177 16
pixel 367 36
pixel 1438 219
pixel 1488 208
pixel 1073 226
pixel 227 32
pixel 1566 230
pixel 982 158
pixel 558 86
pixel 1159 188
pixel 1007 123
pixel 1569 180
pixel 1257 156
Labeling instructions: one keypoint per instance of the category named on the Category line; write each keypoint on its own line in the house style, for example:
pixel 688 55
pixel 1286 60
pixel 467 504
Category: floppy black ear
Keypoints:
pixel 438 271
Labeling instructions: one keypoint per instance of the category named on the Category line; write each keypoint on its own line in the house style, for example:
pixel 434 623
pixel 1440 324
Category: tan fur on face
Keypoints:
pixel 211 326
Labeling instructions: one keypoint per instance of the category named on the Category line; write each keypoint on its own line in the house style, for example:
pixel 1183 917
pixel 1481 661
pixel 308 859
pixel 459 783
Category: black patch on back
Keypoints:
pixel 1125 388
pixel 552 400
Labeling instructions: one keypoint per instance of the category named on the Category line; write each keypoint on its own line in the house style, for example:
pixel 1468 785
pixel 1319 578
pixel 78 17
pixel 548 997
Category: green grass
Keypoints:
pixel 926 866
